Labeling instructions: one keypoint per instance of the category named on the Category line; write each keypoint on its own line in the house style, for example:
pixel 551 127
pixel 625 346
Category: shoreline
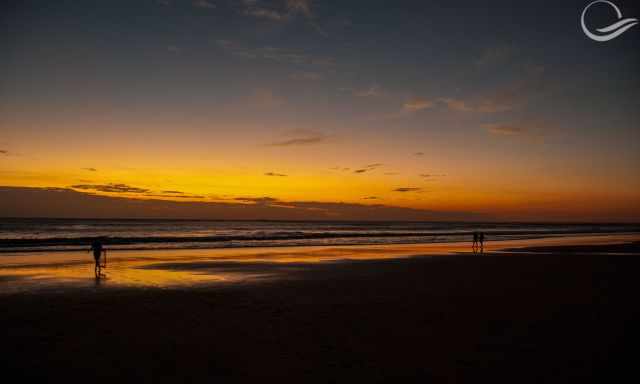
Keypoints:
pixel 184 268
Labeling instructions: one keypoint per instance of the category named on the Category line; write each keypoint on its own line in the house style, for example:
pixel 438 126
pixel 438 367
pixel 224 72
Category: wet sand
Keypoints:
pixel 542 311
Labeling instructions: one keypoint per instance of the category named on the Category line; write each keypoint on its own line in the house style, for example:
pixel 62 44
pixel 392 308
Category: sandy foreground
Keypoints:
pixel 546 310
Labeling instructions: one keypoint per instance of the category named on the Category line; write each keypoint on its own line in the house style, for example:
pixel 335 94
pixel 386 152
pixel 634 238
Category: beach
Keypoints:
pixel 555 311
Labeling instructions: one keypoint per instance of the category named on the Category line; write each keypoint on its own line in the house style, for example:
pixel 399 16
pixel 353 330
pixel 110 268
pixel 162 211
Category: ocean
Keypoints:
pixel 33 235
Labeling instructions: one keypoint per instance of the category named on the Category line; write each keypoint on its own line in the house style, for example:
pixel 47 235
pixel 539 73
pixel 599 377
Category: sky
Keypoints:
pixel 493 110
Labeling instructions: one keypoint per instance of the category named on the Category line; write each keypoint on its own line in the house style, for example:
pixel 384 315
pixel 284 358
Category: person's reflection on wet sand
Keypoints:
pixel 98 252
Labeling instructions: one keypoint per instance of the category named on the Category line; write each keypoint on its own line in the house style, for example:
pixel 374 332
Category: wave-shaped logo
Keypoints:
pixel 612 31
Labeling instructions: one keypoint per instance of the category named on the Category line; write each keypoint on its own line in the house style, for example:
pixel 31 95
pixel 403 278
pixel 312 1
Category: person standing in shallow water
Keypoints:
pixel 481 240
pixel 98 250
pixel 475 240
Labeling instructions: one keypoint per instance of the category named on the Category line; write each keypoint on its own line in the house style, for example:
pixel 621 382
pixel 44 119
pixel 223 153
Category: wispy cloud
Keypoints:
pixel 257 200
pixel 372 91
pixel 306 76
pixel 301 138
pixel 265 98
pixel 367 168
pixel 407 189
pixel 506 98
pixel 4 152
pixel 370 198
pixel 275 174
pixel 503 129
pixel 533 131
pixel 482 106
pixel 270 14
pixel 90 169
pixel 282 11
pixel 417 104
pixel 174 196
pixel 274 54
pixel 111 188
pixel 419 154
pixel 431 175
pixel 203 4
pixel 494 55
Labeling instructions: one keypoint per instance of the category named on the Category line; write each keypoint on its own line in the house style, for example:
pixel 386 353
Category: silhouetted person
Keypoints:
pixel 475 240
pixel 98 250
pixel 481 240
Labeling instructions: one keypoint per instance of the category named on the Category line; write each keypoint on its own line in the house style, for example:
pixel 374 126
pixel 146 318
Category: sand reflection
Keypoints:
pixel 183 268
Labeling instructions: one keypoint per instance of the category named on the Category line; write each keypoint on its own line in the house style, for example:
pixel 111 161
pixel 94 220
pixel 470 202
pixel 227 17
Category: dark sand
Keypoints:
pixel 545 314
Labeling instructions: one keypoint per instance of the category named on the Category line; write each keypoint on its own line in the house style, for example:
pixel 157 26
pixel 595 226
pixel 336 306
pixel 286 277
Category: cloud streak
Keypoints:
pixel 282 12
pixel 417 104
pixel 273 174
pixel 274 54
pixel 368 168
pixel 306 76
pixel 407 189
pixel 309 139
pixel 503 129
pixel 68 203
pixel 203 4
pixel 110 188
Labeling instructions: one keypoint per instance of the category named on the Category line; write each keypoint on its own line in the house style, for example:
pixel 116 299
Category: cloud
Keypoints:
pixel 90 169
pixel 174 196
pixel 257 200
pixel 300 139
pixel 370 198
pixel 369 167
pixel 68 203
pixel 274 54
pixel 173 192
pixel 391 173
pixel 431 175
pixel 4 152
pixel 407 189
pixel 275 174
pixel 282 12
pixel 503 129
pixel 417 104
pixel 263 13
pixel 419 154
pixel 372 91
pixel 506 98
pixel 483 106
pixel 203 4
pixel 306 76
pixel 494 55
pixel 265 98
pixel 111 188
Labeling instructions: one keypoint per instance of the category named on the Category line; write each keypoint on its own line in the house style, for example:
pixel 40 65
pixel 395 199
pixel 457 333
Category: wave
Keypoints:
pixel 255 239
